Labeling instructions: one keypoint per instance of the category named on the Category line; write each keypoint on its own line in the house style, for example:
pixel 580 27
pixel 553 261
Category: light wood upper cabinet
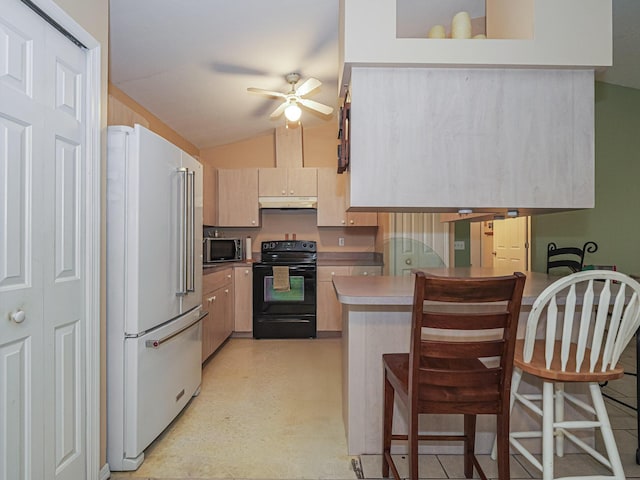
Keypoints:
pixel 238 198
pixel 288 182
pixel 332 206
pixel 210 194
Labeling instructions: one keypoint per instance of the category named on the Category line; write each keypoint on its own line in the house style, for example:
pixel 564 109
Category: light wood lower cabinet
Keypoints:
pixel 243 299
pixel 217 299
pixel 329 309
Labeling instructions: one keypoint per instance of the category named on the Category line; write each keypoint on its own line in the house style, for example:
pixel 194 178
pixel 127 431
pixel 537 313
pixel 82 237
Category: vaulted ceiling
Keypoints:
pixel 190 61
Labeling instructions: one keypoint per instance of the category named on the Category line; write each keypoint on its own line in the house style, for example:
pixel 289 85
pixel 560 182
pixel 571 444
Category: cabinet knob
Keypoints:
pixel 246 272
pixel 229 275
pixel 351 222
pixel 253 222
pixel 343 222
pixel 291 192
pixel 333 273
pixel 365 273
pixel 226 290
pixel 408 261
pixel 211 299
pixel 18 316
pixel 284 192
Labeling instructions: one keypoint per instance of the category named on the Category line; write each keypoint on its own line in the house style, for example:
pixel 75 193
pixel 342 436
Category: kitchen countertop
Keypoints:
pixel 325 259
pixel 386 290
pixel 349 259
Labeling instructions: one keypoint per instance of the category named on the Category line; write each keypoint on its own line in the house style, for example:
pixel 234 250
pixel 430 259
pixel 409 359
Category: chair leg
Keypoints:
pixel 502 442
pixel 607 432
pixel 389 394
pixel 469 444
pixel 413 445
pixel 515 383
pixel 547 430
pixel 559 417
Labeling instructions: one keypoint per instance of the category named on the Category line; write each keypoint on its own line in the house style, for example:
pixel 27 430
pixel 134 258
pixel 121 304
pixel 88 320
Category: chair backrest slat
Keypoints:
pixel 608 305
pixel 601 321
pixel 616 318
pixel 567 330
pixel 484 349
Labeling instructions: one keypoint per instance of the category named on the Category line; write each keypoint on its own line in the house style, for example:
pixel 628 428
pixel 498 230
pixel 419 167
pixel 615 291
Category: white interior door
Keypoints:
pixel 42 252
pixel 510 243
pixel 416 240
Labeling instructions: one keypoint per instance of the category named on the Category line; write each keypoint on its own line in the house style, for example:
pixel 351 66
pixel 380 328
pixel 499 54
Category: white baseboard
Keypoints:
pixel 105 473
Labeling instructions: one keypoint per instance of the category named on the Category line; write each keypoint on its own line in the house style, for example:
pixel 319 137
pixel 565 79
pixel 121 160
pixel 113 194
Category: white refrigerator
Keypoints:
pixel 154 289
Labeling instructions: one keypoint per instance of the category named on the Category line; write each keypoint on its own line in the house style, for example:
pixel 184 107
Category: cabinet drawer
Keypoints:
pixel 325 274
pixel 217 279
pixel 370 270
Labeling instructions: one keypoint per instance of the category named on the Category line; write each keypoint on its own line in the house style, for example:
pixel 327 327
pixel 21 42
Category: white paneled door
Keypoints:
pixel 510 243
pixel 416 240
pixel 42 250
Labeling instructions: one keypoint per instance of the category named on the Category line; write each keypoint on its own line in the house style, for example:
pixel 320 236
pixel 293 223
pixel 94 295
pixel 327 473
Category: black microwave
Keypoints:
pixel 216 250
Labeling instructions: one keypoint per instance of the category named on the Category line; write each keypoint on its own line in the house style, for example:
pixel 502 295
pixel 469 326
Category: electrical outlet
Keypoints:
pixel 458 245
pixel 341 241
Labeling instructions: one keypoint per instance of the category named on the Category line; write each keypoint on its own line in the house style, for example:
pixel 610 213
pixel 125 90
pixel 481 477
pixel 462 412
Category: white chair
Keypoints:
pixel 571 341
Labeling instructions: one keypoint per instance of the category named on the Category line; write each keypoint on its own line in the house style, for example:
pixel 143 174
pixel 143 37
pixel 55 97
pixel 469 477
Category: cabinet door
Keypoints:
pixel 227 298
pixel 362 219
pixel 238 198
pixel 206 327
pixel 272 182
pixel 209 193
pixel 329 309
pixel 302 182
pixel 331 198
pixel 243 299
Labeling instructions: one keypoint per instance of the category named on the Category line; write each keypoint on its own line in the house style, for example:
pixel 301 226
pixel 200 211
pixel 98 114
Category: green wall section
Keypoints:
pixel 462 258
pixel 614 223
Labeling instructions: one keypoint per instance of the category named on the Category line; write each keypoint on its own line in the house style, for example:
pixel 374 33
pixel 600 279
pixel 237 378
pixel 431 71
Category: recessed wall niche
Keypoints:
pixel 497 19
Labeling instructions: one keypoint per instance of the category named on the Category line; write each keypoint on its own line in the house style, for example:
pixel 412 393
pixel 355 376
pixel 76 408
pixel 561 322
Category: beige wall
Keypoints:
pixel 124 110
pixel 319 146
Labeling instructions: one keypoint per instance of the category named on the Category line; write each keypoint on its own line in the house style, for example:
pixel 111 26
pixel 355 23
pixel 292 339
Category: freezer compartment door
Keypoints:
pixel 164 371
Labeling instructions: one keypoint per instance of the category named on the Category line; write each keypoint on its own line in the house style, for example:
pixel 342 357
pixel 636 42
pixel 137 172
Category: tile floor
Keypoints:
pixel 271 409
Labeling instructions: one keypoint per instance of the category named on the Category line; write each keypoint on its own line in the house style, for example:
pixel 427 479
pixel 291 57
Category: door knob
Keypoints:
pixel 408 261
pixel 18 316
pixel 494 253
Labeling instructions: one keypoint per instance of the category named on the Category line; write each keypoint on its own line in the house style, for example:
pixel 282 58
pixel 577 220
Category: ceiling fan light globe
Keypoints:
pixel 293 112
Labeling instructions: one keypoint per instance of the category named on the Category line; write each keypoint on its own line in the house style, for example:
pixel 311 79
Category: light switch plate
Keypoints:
pixel 458 245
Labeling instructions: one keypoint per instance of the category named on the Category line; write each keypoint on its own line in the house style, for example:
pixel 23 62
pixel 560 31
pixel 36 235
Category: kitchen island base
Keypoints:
pixel 377 321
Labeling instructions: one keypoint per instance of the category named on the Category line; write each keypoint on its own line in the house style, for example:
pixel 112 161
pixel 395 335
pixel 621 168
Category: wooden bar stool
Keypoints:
pixel 461 364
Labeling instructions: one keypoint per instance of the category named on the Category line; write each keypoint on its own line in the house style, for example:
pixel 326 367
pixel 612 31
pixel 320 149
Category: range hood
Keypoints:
pixel 288 202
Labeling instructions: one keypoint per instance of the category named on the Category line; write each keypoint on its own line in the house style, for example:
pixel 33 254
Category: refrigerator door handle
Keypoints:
pixel 158 343
pixel 191 285
pixel 182 237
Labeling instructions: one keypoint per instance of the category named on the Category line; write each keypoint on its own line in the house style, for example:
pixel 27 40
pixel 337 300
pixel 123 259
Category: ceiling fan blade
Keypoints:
pixel 269 93
pixel 317 106
pixel 278 111
pixel 308 86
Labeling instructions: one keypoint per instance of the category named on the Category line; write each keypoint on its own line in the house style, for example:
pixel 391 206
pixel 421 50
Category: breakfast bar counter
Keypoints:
pixel 376 319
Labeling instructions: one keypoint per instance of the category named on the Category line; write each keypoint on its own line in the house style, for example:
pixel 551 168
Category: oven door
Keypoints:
pixel 284 314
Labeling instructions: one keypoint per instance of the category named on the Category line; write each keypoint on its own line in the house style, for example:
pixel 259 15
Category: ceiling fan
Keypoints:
pixel 294 99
